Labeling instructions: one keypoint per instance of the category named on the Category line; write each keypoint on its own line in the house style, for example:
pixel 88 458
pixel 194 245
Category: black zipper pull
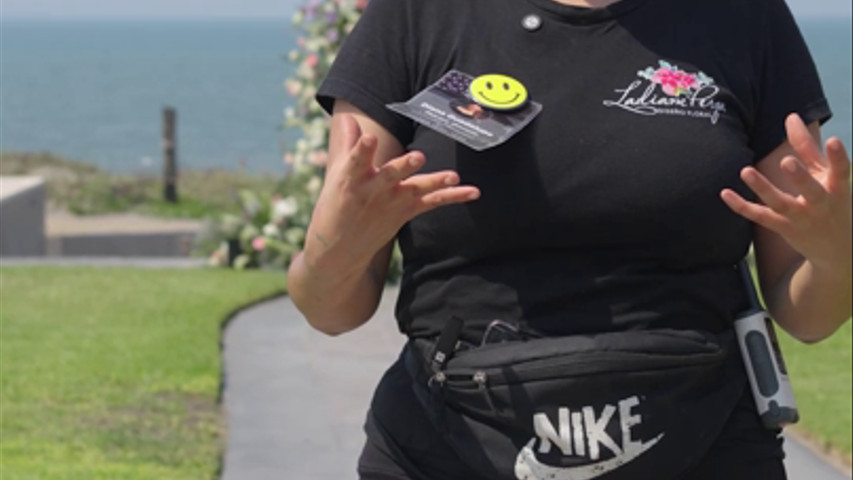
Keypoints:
pixel 446 343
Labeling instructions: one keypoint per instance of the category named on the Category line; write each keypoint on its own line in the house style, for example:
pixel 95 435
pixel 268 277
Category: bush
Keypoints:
pixel 272 228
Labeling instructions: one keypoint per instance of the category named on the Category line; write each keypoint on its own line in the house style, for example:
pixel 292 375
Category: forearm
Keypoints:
pixel 811 302
pixel 334 298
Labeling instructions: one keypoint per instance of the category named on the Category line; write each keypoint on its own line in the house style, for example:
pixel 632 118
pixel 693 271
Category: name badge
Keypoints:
pixel 480 112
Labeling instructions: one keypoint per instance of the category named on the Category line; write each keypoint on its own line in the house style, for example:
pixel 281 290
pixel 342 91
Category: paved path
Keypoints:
pixel 296 399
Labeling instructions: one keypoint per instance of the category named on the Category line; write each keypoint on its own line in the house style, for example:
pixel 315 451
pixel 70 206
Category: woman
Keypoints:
pixel 621 208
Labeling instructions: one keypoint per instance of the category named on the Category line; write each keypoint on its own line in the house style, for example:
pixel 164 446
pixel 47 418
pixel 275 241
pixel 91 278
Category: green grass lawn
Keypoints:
pixel 821 377
pixel 114 373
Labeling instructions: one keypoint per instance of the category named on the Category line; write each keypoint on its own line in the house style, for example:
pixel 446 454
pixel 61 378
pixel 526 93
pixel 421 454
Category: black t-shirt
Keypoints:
pixel 604 213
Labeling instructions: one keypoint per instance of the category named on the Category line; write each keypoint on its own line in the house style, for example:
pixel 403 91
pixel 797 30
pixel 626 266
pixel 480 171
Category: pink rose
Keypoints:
pixel 259 243
pixel 674 82
pixel 311 60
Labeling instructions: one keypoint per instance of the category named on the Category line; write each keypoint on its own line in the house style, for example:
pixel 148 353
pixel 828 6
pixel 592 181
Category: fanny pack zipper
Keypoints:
pixel 558 367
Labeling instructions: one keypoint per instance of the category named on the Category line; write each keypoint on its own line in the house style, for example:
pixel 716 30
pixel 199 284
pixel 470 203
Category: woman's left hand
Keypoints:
pixel 813 212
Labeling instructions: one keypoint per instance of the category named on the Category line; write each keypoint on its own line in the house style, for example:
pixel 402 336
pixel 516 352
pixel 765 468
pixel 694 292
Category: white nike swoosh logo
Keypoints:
pixel 528 467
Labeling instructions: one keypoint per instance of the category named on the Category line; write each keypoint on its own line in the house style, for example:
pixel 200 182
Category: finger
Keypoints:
pixel 768 193
pixel 447 196
pixel 361 155
pixel 809 188
pixel 803 142
pixel 350 132
pixel 401 167
pixel 759 214
pixel 420 185
pixel 839 166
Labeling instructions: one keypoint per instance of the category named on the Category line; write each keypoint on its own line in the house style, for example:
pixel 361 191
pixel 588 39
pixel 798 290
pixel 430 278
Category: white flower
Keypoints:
pixel 293 87
pixel 271 230
pixel 284 208
pixel 314 185
pixel 306 72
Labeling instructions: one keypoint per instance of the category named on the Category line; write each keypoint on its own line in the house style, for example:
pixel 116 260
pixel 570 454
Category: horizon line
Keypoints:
pixel 848 15
pixel 276 16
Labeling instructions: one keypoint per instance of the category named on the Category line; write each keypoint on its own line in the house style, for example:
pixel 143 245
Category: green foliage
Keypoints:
pixel 84 189
pixel 323 25
pixel 269 229
pixel 256 237
pixel 114 373
pixel 822 378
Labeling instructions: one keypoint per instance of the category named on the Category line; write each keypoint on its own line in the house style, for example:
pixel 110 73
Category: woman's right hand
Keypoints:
pixel 365 201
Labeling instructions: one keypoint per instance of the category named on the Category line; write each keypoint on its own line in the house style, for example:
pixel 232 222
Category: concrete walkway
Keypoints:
pixel 296 399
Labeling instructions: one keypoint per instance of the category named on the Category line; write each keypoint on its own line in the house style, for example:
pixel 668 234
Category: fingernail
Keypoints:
pixel 413 160
pixel 790 166
pixel 833 144
pixel 474 195
pixel 450 180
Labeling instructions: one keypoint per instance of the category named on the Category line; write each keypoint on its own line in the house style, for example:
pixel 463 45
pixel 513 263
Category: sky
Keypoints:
pixel 256 8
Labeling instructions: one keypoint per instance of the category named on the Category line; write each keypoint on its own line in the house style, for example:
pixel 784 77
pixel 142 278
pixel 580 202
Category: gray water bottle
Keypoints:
pixel 762 357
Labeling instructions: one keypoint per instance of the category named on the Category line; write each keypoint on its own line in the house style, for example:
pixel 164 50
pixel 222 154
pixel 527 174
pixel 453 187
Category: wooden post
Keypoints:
pixel 170 163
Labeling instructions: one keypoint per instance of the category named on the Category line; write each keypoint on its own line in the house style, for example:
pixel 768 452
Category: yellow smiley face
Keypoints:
pixel 498 92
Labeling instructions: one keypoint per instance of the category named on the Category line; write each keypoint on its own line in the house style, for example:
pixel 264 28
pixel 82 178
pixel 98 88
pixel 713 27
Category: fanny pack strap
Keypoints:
pixel 446 344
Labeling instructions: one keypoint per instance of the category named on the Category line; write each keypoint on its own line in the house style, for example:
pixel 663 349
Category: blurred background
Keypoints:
pixel 85 83
pixel 165 136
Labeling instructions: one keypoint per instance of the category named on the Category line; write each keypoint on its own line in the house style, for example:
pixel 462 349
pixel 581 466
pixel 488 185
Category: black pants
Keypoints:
pixel 403 445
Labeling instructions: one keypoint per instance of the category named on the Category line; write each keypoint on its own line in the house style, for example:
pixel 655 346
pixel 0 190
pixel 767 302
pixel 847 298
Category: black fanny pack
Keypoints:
pixel 611 406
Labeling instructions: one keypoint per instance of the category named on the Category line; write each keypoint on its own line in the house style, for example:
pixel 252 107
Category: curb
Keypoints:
pixel 808 442
pixel 223 324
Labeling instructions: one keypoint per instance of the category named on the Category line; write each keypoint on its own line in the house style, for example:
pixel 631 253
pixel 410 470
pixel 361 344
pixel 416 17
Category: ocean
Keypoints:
pixel 94 90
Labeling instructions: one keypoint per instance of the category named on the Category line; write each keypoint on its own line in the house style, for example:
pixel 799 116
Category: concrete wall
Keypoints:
pixel 160 244
pixel 22 204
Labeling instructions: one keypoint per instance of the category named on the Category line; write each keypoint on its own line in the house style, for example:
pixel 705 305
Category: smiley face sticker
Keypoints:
pixel 478 112
pixel 498 92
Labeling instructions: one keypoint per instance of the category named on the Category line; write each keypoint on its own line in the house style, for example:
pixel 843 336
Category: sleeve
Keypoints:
pixel 374 67
pixel 787 81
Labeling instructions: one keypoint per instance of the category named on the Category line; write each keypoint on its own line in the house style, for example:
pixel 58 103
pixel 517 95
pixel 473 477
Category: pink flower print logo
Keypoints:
pixel 674 81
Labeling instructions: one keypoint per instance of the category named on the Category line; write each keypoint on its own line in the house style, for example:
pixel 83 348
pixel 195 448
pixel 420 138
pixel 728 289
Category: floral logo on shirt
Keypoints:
pixel 675 82
pixel 684 93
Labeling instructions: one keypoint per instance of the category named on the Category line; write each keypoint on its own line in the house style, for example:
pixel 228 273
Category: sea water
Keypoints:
pixel 94 90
